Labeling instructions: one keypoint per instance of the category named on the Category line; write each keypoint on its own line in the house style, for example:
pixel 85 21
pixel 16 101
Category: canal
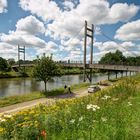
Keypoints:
pixel 18 86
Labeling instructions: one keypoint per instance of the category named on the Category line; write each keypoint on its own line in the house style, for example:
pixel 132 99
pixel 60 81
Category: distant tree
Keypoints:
pixel 11 61
pixel 4 65
pixel 45 69
pixel 113 58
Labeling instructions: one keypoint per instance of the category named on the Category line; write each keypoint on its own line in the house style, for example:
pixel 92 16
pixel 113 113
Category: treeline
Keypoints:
pixel 118 58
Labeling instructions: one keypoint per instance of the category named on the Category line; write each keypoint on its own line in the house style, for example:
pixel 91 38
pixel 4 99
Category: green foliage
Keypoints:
pixel 113 58
pixel 45 69
pixel 4 65
pixel 118 58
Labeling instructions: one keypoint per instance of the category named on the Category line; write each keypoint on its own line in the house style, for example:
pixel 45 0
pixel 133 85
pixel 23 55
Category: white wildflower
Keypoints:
pixel 104 119
pixel 106 97
pixel 89 106
pixel 129 103
pixel 93 107
pixel 80 119
pixel 72 121
pixel 115 99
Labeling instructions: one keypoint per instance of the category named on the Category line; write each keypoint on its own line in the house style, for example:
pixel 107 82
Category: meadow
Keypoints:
pixel 110 114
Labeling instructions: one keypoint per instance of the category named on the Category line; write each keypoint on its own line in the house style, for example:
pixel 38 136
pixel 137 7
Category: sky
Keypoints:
pixel 57 27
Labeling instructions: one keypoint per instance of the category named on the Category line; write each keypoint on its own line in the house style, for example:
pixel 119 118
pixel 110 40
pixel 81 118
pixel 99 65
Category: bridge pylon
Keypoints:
pixel 21 50
pixel 89 32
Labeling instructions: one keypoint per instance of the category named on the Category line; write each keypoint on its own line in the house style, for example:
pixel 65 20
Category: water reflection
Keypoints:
pixel 18 86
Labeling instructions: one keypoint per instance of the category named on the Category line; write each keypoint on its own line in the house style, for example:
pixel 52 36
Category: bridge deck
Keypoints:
pixel 93 66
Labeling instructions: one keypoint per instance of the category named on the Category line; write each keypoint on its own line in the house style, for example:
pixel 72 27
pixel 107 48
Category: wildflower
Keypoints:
pixel 105 97
pixel 104 119
pixel 93 107
pixel 129 103
pixel 80 119
pixel 43 133
pixel 1 130
pixel 96 106
pixel 2 120
pixel 89 106
pixel 115 99
pixel 72 121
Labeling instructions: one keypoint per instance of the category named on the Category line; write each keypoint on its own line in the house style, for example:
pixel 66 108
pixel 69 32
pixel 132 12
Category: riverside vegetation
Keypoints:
pixel 113 113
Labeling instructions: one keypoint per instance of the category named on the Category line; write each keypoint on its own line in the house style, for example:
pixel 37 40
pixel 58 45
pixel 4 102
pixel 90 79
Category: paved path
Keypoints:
pixel 48 100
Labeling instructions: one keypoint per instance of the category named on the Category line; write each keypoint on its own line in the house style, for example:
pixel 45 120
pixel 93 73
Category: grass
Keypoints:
pixel 110 114
pixel 6 101
pixel 11 74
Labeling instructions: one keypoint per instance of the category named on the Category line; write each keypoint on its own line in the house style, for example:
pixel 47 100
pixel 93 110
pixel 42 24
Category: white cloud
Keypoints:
pixel 7 50
pixel 50 48
pixel 68 23
pixel 122 11
pixel 127 48
pixel 129 31
pixel 26 29
pixel 47 9
pixel 68 5
pixel 3 5
pixel 30 25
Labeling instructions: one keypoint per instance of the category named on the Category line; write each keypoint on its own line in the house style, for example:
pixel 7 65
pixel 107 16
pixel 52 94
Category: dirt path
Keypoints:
pixel 49 100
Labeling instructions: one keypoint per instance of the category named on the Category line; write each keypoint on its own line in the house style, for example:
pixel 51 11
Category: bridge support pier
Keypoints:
pixel 116 74
pixel 108 75
pixel 121 74
pixel 130 73
pixel 126 73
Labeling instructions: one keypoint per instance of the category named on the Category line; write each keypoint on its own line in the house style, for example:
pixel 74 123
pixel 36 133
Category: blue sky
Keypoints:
pixel 53 26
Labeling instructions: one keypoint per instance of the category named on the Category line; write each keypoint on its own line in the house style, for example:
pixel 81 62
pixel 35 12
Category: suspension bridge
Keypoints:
pixel 88 33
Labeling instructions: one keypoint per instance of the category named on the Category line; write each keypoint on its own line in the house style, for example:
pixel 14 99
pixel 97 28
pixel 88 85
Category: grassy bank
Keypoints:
pixel 110 114
pixel 6 101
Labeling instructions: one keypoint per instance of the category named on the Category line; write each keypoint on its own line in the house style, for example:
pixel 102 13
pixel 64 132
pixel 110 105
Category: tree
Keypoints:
pixel 11 61
pixel 4 65
pixel 113 58
pixel 45 69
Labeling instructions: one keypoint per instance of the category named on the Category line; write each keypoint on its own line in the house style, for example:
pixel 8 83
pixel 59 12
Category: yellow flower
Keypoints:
pixel 2 130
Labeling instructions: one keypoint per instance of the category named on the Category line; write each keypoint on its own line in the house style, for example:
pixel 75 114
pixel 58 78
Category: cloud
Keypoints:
pixel 127 48
pixel 66 23
pixel 129 31
pixel 7 50
pixel 26 30
pixel 122 12
pixel 30 25
pixel 3 5
pixel 46 9
pixel 50 48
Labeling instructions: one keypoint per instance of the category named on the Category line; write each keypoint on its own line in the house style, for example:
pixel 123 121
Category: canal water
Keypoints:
pixel 18 86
